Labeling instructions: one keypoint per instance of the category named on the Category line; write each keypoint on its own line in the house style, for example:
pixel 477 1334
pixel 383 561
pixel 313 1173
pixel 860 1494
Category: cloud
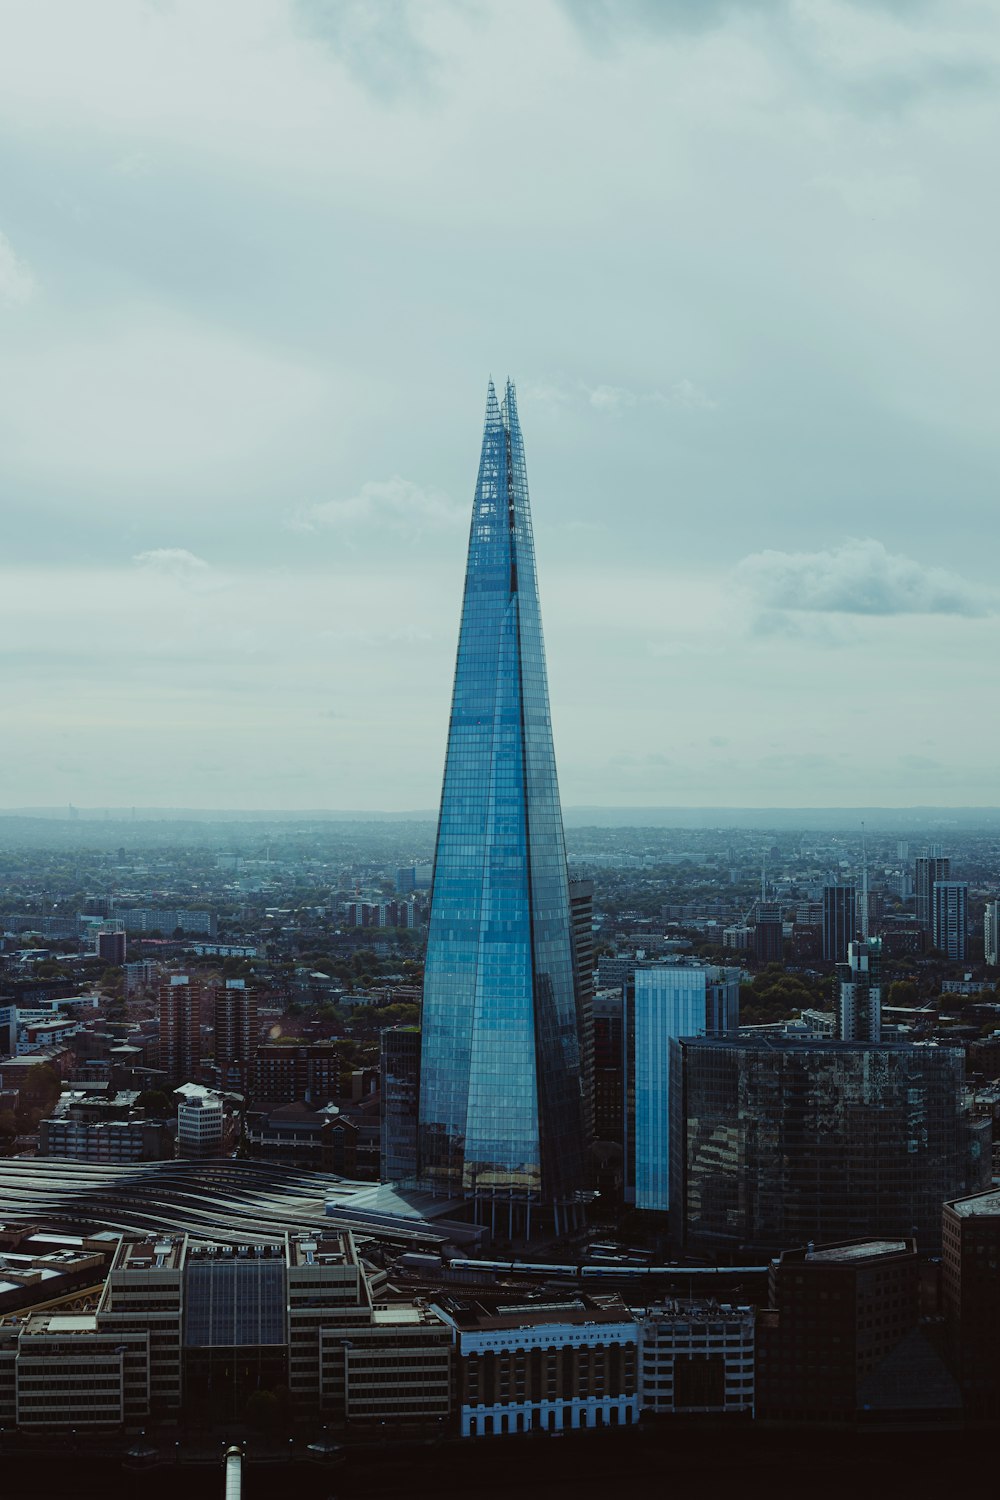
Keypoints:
pixel 682 393
pixel 145 399
pixel 808 629
pixel 608 21
pixel 875 195
pixel 395 505
pixel 614 397
pixel 378 44
pixel 173 562
pixel 858 578
pixel 545 393
pixel 17 284
pixel 686 393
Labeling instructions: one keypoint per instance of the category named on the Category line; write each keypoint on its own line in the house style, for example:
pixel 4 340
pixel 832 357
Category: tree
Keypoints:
pixel 397 1015
pixel 49 969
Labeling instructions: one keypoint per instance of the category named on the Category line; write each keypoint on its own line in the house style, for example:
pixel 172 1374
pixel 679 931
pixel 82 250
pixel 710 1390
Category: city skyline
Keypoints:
pixel 251 272
pixel 422 1032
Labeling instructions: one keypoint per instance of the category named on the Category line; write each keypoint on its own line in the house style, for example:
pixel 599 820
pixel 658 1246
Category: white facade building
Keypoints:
pixel 545 1370
pixel 991 933
pixel 200 1125
pixel 140 974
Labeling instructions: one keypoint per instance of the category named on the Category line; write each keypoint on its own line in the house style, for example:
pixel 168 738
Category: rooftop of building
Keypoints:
pixel 296 1048
pixel 296 1112
pixel 405 1315
pixel 165 1252
pixel 677 1309
pixel 237 1201
pixel 609 1001
pixel 977 1205
pixel 850 1252
pixel 792 1044
pixel 62 1324
pixel 208 1250
pixel 18 1271
pixel 96 1097
pixel 863 1250
pixel 330 1248
pixel 30 1060
pixel 485 1312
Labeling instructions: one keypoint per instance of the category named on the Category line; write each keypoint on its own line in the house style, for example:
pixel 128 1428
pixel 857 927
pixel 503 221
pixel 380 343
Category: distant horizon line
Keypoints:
pixel 72 812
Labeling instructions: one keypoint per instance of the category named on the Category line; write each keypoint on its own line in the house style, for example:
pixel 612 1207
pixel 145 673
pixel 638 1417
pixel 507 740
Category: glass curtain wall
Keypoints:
pixel 500 1101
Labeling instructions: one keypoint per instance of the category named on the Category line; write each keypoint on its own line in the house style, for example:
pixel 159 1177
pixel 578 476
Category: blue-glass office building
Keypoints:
pixel 501 1117
pixel 662 1004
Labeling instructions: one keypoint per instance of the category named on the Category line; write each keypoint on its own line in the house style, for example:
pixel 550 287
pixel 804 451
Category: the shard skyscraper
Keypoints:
pixel 501 1118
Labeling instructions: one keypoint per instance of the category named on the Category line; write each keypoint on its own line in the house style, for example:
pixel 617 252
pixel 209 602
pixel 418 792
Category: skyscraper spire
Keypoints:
pixel 500 1108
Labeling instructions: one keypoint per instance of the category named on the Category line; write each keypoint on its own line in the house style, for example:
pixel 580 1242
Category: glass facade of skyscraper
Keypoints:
pixel 500 1098
pixel 776 1142
pixel 661 1004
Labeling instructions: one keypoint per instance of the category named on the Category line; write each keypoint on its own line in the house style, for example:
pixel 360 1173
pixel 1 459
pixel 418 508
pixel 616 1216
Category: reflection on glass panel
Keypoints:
pixel 780 1142
pixel 234 1302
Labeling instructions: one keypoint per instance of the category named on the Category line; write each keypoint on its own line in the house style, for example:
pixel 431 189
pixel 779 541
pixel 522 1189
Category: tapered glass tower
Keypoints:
pixel 500 1099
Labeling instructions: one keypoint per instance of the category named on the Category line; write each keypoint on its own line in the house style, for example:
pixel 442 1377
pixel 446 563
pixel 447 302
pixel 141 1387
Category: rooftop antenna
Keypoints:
pixel 863 922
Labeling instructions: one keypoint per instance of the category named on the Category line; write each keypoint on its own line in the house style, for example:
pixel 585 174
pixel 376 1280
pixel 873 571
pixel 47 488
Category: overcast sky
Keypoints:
pixel 258 259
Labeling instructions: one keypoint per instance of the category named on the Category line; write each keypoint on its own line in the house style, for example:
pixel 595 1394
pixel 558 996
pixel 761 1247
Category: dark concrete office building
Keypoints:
pixel 840 1336
pixel 970 1265
pixel 581 908
pixel 609 1065
pixel 399 1099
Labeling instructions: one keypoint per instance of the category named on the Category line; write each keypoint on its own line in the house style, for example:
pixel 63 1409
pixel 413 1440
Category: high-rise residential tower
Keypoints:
pixel 236 1032
pixel 860 985
pixel 950 918
pixel 839 921
pixel 501 1110
pixel 180 1028
pixel 991 933
pixel 929 869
